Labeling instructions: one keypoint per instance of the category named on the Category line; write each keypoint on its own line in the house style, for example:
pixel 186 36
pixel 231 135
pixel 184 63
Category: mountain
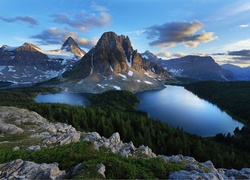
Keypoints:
pixel 150 56
pixel 29 64
pixel 113 64
pixel 239 73
pixel 71 46
pixel 195 67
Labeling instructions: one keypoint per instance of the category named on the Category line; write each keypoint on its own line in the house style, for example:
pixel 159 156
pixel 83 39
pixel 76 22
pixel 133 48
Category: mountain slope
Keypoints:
pixel 113 64
pixel 238 72
pixel 196 67
pixel 29 64
pixel 71 46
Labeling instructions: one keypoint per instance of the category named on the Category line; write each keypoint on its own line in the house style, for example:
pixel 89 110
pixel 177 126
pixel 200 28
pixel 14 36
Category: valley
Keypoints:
pixel 114 90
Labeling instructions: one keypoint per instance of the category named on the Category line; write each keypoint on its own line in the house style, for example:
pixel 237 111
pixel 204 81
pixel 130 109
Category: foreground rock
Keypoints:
pixel 115 145
pixel 15 120
pixel 19 169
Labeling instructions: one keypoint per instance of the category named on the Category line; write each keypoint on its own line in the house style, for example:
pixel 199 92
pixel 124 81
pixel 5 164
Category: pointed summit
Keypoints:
pixel 28 47
pixel 113 64
pixel 71 46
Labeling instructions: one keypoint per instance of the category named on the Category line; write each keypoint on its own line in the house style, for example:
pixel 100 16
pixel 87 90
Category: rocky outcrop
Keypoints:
pixel 15 120
pixel 115 145
pixel 54 134
pixel 101 169
pixel 19 169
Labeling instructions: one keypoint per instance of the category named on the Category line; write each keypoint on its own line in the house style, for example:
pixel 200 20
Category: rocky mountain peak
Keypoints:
pixel 71 46
pixel 28 47
pixel 150 56
pixel 113 63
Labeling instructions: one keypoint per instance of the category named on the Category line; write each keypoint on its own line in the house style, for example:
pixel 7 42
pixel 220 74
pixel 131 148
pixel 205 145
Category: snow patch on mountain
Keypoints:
pixel 117 87
pixel 130 73
pixel 147 82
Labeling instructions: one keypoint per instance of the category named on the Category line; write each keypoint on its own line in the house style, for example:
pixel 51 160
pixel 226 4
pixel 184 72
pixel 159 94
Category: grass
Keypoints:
pixel 23 140
pixel 117 167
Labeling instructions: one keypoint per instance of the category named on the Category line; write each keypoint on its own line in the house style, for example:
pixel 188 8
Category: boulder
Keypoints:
pixel 33 148
pixel 101 169
pixel 19 169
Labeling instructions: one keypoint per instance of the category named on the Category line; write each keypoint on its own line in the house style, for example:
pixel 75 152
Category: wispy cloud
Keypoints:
pixel 170 34
pixel 179 54
pixel 163 54
pixel 242 26
pixel 84 20
pixel 98 7
pixel 56 36
pixel 236 9
pixel 22 19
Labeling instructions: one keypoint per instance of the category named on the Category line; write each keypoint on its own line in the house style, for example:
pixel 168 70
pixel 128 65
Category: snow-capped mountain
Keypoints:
pixel 29 64
pixel 113 64
pixel 195 67
pixel 150 56
pixel 71 46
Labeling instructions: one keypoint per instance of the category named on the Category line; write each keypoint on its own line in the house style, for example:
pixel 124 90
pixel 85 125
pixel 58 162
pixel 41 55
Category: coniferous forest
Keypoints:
pixel 113 111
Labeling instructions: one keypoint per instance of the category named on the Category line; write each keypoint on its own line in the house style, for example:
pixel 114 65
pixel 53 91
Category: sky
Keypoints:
pixel 167 28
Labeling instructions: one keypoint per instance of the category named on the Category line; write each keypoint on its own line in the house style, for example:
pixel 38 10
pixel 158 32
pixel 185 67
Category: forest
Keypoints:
pixel 113 111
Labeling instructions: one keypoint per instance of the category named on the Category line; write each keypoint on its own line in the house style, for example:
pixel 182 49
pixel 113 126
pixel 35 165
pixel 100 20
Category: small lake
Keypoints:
pixel 80 99
pixel 173 105
pixel 179 107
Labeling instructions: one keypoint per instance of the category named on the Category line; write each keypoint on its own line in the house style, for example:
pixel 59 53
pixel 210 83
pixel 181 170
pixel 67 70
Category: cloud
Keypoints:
pixel 170 34
pixel 218 54
pixel 242 55
pixel 179 54
pixel 23 19
pixel 98 7
pixel 163 54
pixel 244 52
pixel 84 20
pixel 243 26
pixel 55 36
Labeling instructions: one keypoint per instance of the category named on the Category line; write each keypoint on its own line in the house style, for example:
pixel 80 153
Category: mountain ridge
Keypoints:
pixel 29 64
pixel 193 66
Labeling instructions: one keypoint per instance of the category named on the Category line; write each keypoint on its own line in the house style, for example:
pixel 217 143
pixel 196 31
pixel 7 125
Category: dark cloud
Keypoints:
pixel 218 54
pixel 23 19
pixel 83 21
pixel 244 52
pixel 169 34
pixel 57 36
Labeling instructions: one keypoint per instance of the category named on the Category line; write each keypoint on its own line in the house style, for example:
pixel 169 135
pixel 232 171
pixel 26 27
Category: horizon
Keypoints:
pixel 169 29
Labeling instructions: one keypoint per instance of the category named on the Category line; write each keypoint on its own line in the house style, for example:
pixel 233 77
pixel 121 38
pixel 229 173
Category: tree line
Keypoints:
pixel 113 111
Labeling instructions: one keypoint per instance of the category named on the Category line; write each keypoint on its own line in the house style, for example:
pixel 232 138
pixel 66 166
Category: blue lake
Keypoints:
pixel 179 107
pixel 173 105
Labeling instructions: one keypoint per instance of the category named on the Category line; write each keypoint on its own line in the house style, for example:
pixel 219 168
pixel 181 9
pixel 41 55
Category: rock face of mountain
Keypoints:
pixel 195 67
pixel 71 46
pixel 113 64
pixel 29 64
pixel 239 73
pixel 150 56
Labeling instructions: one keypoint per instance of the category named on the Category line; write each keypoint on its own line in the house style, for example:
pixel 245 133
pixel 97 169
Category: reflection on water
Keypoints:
pixel 180 108
pixel 174 105
pixel 63 97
